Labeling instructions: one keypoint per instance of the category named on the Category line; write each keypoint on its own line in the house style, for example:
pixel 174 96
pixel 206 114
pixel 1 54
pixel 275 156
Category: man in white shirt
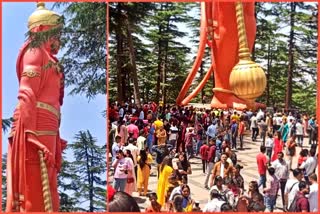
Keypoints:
pixel 254 127
pixel 141 115
pixel 121 113
pixel 299 133
pixel 313 194
pixel 310 164
pixel 141 140
pixel 292 187
pixel 290 118
pixel 215 204
pixel 282 172
pixel 134 151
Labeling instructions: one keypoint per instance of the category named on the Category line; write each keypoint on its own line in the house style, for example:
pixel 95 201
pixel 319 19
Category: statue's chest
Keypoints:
pixel 54 78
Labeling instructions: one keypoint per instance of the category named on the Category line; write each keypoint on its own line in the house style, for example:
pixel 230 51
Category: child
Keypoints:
pixel 155 206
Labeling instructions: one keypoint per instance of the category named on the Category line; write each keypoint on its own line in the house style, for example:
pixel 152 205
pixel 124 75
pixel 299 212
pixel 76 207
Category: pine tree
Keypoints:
pixel 89 167
pixel 4 181
pixel 67 188
pixel 84 46
pixel 290 72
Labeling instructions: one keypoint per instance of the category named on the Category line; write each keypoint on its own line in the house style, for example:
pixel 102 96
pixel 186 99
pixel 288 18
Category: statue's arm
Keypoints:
pixel 31 74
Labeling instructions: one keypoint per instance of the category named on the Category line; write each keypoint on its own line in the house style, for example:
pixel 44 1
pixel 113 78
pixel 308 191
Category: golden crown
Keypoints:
pixel 42 16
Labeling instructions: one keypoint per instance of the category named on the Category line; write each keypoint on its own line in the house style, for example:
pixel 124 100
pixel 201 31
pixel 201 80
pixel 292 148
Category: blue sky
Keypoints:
pixel 77 112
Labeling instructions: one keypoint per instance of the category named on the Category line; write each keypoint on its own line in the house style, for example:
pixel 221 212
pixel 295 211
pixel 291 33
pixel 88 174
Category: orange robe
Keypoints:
pixel 35 127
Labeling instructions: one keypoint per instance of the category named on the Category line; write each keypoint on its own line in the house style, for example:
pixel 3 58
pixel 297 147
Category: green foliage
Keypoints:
pixel 158 46
pixel 161 44
pixel 37 39
pixel 6 123
pixel 84 47
pixel 4 181
pixel 272 52
pixel 87 171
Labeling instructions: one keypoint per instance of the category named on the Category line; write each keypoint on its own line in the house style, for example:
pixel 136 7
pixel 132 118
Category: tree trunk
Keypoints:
pixel 119 39
pixel 89 180
pixel 158 86
pixel 133 65
pixel 164 71
pixel 268 73
pixel 288 100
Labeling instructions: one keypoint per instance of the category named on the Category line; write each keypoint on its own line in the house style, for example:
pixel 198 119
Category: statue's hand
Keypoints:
pixel 48 157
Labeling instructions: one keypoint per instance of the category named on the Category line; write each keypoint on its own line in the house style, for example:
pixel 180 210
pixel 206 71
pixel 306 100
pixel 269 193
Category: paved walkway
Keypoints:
pixel 246 157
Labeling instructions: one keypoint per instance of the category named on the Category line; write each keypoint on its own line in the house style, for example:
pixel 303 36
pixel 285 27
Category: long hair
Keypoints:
pixel 167 161
pixel 177 202
pixel 121 122
pixel 143 158
pixel 123 202
pixel 129 154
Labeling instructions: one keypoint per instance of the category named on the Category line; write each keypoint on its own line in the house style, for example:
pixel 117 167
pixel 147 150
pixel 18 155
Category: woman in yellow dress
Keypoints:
pixel 144 166
pixel 163 182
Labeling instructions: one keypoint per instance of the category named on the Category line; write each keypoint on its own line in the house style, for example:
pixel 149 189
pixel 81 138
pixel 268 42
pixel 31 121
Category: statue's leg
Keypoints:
pixel 225 49
pixel 35 201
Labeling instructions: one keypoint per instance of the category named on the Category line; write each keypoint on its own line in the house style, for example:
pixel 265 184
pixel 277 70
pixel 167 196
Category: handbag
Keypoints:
pixel 130 180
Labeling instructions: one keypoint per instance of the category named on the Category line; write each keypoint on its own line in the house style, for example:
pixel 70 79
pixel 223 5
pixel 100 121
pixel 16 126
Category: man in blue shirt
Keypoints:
pixel 211 131
pixel 234 134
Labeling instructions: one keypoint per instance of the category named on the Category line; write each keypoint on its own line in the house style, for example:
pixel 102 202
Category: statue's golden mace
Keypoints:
pixel 247 79
pixel 45 184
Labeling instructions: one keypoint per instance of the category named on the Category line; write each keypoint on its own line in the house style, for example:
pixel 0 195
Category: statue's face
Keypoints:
pixel 55 45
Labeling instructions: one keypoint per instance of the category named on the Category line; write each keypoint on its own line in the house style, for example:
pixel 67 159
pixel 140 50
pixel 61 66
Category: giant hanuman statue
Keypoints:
pixel 35 147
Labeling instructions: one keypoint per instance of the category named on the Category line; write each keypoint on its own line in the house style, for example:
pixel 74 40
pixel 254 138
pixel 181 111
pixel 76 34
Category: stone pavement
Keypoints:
pixel 246 157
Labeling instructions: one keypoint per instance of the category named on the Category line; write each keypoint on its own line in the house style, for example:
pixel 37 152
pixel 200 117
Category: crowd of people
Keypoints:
pixel 168 137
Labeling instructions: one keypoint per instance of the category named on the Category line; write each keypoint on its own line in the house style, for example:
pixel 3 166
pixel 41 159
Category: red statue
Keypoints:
pixel 35 147
pixel 220 24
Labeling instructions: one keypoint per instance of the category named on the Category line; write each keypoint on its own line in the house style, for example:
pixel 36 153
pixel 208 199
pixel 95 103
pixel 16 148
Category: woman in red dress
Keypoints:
pixel 278 146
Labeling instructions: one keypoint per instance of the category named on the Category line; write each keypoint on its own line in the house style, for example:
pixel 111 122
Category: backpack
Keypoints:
pixel 233 158
pixel 293 206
